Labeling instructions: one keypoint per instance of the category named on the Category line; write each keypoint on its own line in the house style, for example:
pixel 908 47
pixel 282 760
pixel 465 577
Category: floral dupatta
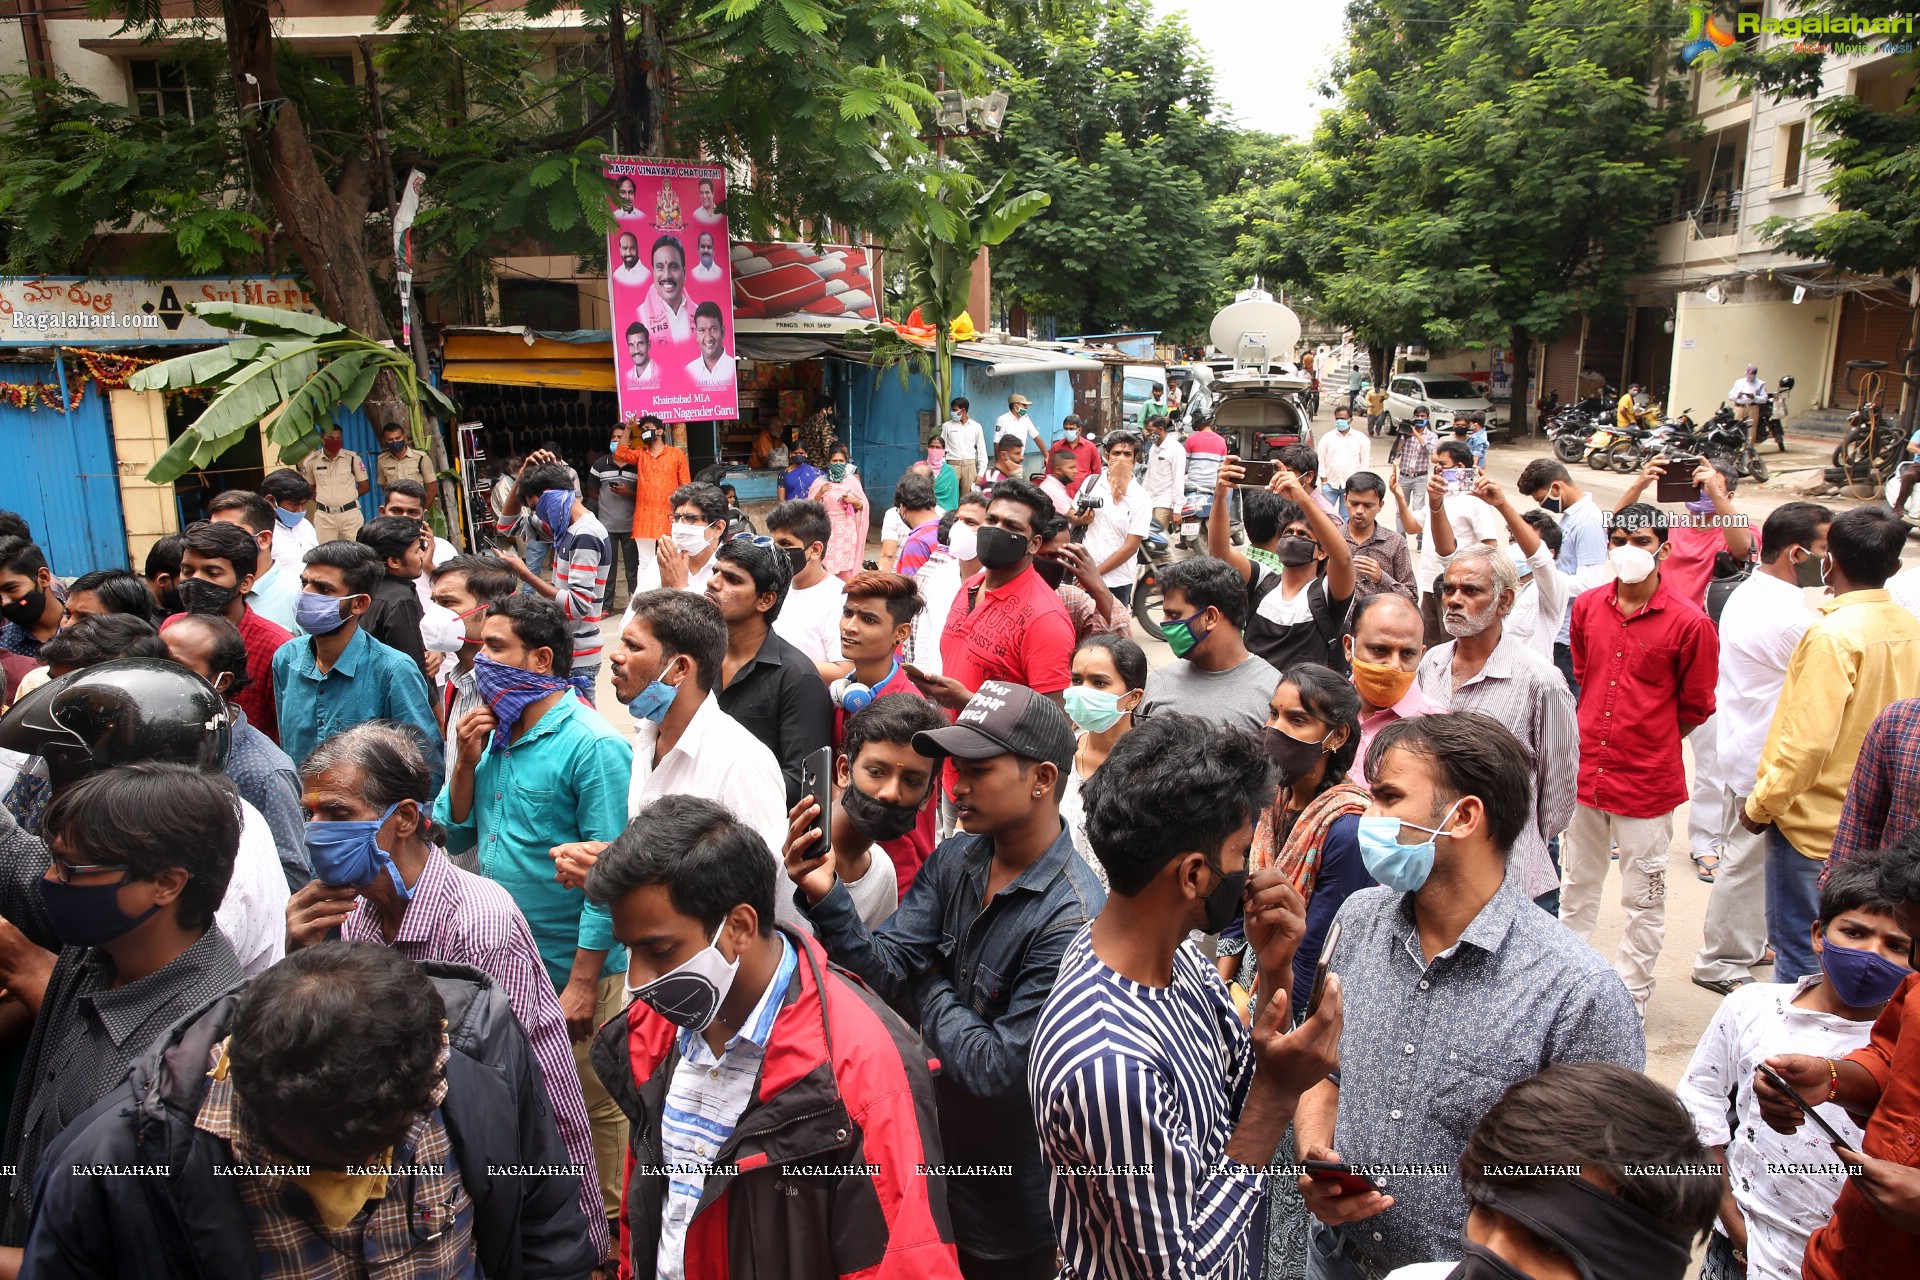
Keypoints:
pixel 1299 857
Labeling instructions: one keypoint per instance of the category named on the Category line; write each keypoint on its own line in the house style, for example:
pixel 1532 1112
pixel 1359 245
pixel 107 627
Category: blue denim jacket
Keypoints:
pixel 977 978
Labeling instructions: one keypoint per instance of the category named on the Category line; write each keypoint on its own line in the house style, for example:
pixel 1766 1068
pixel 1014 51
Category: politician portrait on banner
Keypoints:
pixel 670 287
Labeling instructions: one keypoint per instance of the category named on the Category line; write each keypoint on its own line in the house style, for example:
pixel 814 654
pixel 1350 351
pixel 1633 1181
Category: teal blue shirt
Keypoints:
pixel 563 780
pixel 370 682
pixel 946 486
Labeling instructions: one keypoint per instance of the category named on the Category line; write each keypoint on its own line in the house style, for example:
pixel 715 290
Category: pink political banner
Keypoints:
pixel 670 288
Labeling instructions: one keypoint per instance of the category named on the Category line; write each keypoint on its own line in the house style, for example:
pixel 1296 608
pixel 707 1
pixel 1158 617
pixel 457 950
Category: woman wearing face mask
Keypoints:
pixel 954 560
pixel 845 499
pixel 1109 680
pixel 946 481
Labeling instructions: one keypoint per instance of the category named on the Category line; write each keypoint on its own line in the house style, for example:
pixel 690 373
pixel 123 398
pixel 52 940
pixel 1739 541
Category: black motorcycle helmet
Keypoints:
pixel 120 712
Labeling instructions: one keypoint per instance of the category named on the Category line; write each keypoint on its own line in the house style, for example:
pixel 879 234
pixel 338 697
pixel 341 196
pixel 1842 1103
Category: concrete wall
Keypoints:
pixel 1713 344
pixel 139 438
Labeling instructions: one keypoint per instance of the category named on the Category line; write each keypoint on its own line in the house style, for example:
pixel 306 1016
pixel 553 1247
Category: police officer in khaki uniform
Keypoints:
pixel 399 460
pixel 338 478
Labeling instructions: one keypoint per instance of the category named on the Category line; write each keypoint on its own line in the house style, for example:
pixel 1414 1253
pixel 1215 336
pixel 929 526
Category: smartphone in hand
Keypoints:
pixel 1322 969
pixel 1779 1082
pixel 1337 1172
pixel 1676 481
pixel 816 779
pixel 1256 475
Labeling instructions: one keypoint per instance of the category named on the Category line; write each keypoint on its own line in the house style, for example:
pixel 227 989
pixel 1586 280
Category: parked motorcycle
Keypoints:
pixel 1155 554
pixel 1568 431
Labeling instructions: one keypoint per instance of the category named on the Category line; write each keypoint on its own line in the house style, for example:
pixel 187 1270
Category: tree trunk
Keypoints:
pixel 1519 386
pixel 326 227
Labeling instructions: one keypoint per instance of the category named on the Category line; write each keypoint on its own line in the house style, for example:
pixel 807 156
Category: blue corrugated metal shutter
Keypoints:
pixel 356 433
pixel 60 475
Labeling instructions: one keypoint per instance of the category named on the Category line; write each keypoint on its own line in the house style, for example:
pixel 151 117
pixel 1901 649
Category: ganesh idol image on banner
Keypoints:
pixel 670 288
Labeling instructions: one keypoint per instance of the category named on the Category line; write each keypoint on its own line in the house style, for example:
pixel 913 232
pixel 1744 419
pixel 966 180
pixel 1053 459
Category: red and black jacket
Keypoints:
pixel 845 1089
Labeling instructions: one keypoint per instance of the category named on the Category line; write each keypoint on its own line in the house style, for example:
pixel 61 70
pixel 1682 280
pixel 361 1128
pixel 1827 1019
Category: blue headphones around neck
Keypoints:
pixel 853 697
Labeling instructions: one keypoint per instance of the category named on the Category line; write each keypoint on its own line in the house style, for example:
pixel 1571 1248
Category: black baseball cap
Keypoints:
pixel 1001 719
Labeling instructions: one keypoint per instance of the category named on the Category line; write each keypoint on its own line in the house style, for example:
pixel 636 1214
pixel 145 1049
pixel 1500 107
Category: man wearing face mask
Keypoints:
pixel 217 564
pixel 739 1039
pixel 276 587
pixel 1342 452
pixel 1486 668
pixel 136 862
pixel 378 879
pixel 1441 973
pixel 667 668
pixel 1760 627
pixel 1216 679
pixel 1384 649
pixel 212 649
pixel 339 479
pixel 336 676
pixel 974 950
pixel 1165 471
pixel 1140 1058
pixel 660 470
pixel 881 791
pixel 399 460
pixel 539 769
pixel 466 586
pixel 30 600
pixel 396 613
pixel 1864 959
pixel 1297 613
pixel 1862 654
pixel 1646 659
pixel 293 533
pixel 1874 1229
pixel 1583 540
pixel 582 555
pixel 809 619
pixel 684 561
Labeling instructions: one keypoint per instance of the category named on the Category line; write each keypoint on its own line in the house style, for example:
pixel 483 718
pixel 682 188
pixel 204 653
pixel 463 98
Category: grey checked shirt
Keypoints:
pixel 1526 693
pixel 1428 1047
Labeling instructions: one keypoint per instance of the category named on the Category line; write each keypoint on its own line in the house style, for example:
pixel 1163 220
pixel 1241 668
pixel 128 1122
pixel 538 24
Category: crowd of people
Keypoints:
pixel 910 923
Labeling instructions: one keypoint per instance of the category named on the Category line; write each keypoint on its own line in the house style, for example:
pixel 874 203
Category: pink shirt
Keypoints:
pixel 1415 703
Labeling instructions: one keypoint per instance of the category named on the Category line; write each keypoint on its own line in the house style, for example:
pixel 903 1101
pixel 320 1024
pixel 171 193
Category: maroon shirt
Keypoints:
pixel 1641 678
pixel 263 639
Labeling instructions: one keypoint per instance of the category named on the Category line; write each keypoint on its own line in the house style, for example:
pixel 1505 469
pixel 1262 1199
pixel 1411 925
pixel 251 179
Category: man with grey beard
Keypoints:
pixel 1484 669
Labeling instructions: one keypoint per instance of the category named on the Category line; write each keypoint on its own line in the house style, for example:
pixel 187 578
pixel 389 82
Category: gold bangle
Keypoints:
pixel 1833 1079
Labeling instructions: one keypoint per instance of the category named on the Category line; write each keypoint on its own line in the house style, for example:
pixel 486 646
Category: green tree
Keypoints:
pixel 1492 170
pixel 1873 151
pixel 1113 114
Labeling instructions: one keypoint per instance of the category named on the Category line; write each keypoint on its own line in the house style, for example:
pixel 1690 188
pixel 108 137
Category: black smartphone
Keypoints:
pixel 1336 1171
pixel 1806 1109
pixel 1323 968
pixel 816 779
pixel 1257 474
pixel 1676 481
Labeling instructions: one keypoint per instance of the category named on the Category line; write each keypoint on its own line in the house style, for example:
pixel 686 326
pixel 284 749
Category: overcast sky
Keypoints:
pixel 1266 55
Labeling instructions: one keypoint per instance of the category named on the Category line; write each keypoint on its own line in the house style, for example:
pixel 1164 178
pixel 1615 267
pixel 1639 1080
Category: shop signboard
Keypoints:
pixel 669 284
pixel 37 311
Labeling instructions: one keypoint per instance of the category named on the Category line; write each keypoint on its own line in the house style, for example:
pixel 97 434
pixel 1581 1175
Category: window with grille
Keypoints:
pixel 164 87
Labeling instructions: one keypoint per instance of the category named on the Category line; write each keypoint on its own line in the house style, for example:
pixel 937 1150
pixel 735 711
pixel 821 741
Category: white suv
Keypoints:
pixel 1442 395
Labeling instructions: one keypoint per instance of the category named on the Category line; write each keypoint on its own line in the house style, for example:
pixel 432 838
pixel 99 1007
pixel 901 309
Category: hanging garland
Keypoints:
pixel 110 371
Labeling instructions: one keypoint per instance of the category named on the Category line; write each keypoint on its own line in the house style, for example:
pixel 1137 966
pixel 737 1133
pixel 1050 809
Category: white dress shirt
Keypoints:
pixel 1167 474
pixel 1342 453
pixel 1473 521
pixel 966 441
pixel 720 760
pixel 1012 424
pixel 1748 390
pixel 290 546
pixel 253 914
pixel 1760 627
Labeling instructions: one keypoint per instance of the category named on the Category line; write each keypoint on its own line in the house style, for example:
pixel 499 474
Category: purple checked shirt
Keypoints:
pixel 467 919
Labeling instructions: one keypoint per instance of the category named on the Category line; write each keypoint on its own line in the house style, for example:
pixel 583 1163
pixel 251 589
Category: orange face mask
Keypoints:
pixel 1381 686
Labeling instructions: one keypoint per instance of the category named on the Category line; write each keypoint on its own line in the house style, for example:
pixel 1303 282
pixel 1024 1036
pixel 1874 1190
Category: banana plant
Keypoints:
pixel 288 370
pixel 951 222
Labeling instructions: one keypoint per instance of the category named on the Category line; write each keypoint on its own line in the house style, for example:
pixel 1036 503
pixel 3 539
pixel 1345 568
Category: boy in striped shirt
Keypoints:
pixel 545 506
pixel 1157 1157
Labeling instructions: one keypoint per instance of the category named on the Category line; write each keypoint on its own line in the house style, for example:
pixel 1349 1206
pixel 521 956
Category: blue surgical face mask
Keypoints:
pixel 288 519
pixel 1861 978
pixel 654 701
pixel 320 615
pixel 348 855
pixel 1400 867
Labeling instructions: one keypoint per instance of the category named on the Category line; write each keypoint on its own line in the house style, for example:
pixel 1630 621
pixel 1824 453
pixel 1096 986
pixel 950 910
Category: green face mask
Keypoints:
pixel 1181 637
pixel 836 471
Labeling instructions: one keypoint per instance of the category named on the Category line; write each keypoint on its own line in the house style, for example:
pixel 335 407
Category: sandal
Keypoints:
pixel 1704 871
pixel 1723 986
